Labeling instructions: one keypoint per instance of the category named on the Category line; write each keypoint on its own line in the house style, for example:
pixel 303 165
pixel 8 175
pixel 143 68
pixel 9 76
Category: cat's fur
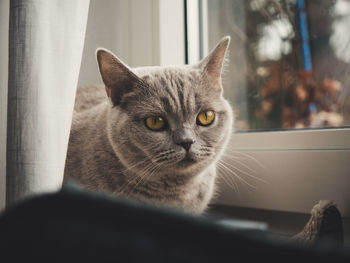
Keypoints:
pixel 110 147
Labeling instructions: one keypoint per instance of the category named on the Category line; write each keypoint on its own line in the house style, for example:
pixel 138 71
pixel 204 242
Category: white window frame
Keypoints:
pixel 299 167
pixel 160 26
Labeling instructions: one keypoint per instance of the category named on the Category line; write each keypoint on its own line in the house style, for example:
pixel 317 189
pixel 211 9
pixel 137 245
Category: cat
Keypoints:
pixel 156 136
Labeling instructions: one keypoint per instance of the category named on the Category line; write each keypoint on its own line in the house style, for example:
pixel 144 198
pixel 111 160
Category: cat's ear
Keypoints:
pixel 212 64
pixel 117 76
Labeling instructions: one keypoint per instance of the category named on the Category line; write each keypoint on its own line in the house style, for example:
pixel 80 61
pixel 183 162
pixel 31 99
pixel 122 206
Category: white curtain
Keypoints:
pixel 4 32
pixel 46 39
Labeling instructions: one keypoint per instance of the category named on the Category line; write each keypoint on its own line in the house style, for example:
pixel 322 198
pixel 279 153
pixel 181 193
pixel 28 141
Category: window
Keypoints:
pixel 287 80
pixel 289 62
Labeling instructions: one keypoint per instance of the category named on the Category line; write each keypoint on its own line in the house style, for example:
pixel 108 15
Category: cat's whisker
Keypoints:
pixel 147 174
pixel 145 170
pixel 243 172
pixel 249 157
pixel 228 179
pixel 238 177
pixel 128 183
pixel 146 164
pixel 235 157
pixel 164 153
pixel 240 162
pixel 153 171
pixel 148 170
pixel 231 185
pixel 143 161
pixel 245 161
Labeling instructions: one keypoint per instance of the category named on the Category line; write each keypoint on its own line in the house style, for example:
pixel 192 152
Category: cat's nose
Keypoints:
pixel 187 144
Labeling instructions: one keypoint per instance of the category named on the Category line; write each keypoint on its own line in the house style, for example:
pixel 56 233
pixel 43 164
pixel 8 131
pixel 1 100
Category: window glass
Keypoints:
pixel 288 62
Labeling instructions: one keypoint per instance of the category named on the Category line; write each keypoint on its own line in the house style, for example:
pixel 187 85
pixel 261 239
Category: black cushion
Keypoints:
pixel 79 226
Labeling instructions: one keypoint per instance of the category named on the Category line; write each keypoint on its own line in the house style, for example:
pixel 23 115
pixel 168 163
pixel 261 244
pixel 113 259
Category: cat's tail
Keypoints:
pixel 325 223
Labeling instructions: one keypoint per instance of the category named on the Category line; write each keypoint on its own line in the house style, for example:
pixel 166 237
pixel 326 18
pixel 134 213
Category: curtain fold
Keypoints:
pixel 45 48
pixel 4 29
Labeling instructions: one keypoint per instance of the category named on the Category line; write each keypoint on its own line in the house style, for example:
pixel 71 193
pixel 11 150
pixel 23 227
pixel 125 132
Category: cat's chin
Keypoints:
pixel 190 164
pixel 187 161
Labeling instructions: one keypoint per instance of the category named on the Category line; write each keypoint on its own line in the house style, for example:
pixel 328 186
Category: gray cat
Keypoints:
pixel 159 134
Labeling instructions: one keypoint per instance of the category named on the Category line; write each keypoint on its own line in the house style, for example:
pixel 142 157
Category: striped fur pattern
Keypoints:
pixel 111 149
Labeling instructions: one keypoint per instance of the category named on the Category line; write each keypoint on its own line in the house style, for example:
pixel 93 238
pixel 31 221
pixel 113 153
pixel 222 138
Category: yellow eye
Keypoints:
pixel 206 118
pixel 155 123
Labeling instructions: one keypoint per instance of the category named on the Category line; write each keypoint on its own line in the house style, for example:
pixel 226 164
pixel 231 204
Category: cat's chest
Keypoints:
pixel 192 196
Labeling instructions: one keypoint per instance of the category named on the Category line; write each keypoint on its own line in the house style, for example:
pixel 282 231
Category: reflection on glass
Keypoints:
pixel 289 62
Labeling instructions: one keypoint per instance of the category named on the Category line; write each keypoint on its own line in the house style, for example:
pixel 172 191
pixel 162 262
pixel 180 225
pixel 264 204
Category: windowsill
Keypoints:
pixel 306 140
pixel 280 224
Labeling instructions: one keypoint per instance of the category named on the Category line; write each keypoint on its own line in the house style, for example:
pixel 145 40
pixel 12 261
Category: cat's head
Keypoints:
pixel 167 119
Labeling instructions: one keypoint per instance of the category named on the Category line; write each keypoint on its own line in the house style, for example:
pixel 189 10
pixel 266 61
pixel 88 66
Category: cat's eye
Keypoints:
pixel 155 123
pixel 206 118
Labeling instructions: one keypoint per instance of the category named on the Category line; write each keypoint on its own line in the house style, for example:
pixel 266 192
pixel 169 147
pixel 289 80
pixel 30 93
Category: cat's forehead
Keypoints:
pixel 169 76
pixel 173 89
